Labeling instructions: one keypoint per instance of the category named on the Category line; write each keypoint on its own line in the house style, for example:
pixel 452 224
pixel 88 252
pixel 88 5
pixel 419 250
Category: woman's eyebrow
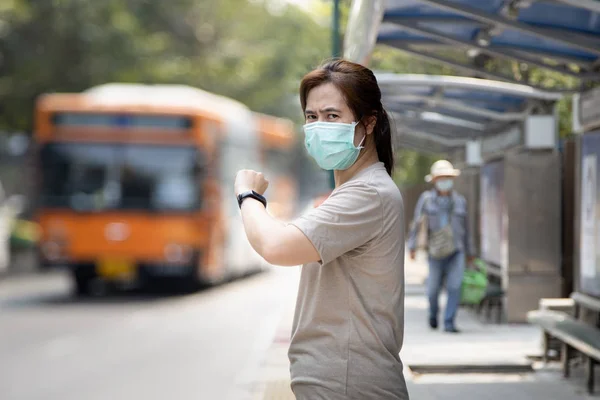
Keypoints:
pixel 322 111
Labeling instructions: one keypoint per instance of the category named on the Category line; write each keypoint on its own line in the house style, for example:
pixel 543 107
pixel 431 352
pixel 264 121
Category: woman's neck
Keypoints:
pixel 365 160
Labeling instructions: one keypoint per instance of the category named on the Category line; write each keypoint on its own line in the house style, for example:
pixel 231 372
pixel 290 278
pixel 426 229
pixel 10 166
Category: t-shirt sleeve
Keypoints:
pixel 348 219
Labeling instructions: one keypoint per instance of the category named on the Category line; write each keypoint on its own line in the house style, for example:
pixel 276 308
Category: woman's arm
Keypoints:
pixel 276 242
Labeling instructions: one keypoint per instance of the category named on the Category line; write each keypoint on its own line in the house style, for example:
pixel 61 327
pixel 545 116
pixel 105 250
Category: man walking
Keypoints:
pixel 443 213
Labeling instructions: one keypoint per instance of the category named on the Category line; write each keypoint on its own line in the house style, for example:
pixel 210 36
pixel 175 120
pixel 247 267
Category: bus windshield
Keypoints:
pixel 95 177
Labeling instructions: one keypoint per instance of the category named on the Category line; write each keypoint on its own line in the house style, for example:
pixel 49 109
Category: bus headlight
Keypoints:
pixel 52 251
pixel 177 253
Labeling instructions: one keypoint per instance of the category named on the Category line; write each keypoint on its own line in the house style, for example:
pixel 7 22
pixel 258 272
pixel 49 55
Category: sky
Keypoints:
pixel 275 7
pixel 301 3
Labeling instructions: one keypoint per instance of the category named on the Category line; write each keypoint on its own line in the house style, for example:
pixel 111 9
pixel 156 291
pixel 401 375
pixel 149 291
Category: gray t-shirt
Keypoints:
pixel 349 320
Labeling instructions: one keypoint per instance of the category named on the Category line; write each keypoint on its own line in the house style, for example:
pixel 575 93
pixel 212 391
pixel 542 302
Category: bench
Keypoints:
pixel 552 345
pixel 584 301
pixel 573 333
pixel 493 300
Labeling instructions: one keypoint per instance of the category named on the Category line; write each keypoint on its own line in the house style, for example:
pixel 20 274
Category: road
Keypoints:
pixel 132 346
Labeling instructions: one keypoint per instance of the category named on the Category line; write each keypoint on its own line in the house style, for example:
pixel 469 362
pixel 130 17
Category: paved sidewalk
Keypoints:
pixel 21 263
pixel 478 344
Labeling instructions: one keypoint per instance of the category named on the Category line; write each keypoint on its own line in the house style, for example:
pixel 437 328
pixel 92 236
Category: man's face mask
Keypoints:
pixel 444 185
pixel 331 144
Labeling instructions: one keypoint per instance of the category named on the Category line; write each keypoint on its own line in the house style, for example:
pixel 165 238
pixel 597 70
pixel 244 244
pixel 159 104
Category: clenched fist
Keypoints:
pixel 247 179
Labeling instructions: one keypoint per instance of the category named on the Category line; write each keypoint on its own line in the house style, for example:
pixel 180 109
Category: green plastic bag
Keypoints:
pixel 474 283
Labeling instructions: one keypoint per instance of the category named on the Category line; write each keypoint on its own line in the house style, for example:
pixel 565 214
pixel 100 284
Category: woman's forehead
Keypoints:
pixel 325 96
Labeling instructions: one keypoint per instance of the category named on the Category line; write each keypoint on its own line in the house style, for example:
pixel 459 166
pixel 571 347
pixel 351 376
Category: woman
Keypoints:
pixel 349 320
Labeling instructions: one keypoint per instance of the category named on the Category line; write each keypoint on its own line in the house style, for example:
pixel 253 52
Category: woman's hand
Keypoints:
pixel 246 180
pixel 278 243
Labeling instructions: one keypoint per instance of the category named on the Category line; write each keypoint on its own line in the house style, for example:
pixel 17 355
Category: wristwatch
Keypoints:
pixel 251 193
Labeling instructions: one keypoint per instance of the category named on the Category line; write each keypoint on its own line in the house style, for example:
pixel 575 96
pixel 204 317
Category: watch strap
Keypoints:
pixel 252 194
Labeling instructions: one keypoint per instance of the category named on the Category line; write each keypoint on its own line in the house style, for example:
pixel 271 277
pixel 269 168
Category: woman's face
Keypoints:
pixel 325 103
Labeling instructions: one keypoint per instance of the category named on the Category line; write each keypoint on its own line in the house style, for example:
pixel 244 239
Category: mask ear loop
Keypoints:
pixel 360 145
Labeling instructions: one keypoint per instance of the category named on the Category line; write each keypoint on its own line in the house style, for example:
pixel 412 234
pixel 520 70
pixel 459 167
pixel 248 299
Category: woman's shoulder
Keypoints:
pixel 374 185
pixel 357 187
pixel 381 183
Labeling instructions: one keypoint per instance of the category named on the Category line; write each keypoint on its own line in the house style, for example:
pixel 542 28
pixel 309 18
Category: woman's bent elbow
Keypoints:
pixel 276 254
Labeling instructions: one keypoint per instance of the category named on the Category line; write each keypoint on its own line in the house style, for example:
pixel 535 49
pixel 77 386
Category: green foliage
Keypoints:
pixel 388 59
pixel 546 79
pixel 412 166
pixel 232 47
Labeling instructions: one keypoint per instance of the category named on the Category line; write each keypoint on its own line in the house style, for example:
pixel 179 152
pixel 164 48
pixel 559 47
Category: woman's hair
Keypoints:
pixel 362 94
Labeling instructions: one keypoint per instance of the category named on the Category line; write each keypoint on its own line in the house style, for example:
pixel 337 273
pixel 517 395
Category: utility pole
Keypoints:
pixel 335 52
pixel 335 30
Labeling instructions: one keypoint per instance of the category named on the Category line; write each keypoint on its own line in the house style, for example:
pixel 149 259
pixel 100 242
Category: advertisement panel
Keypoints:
pixel 589 260
pixel 492 209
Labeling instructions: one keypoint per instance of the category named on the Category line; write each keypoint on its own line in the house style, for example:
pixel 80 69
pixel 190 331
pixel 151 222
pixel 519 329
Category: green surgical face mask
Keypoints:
pixel 331 144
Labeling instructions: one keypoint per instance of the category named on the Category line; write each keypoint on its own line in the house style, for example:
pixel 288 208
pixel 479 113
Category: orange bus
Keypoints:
pixel 137 183
pixel 277 161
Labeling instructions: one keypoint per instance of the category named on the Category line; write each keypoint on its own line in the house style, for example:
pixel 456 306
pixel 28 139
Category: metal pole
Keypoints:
pixel 335 29
pixel 335 52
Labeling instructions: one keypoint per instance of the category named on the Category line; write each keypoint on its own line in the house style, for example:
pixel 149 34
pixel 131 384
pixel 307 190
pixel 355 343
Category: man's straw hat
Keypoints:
pixel 442 168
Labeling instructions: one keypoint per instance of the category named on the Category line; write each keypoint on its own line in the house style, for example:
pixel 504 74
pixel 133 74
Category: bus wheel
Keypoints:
pixel 83 280
pixel 192 281
pixel 189 285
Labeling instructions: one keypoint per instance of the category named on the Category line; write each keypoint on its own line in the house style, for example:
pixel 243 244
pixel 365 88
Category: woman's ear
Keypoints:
pixel 370 124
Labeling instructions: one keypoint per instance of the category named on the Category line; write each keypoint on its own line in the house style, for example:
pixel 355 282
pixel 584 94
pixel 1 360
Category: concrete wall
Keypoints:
pixel 533 194
pixel 467 184
pixel 569 188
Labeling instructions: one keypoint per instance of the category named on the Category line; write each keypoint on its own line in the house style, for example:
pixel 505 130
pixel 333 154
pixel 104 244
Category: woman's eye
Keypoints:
pixel 310 117
pixel 332 116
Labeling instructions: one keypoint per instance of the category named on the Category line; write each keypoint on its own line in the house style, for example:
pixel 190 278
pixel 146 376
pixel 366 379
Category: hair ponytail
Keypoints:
pixel 383 140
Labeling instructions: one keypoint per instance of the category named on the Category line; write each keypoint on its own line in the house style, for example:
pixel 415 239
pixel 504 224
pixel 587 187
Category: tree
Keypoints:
pixel 231 47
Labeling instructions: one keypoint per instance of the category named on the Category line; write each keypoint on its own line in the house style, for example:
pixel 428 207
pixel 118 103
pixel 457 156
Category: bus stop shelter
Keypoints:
pixel 558 35
pixel 502 130
pixel 445 114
